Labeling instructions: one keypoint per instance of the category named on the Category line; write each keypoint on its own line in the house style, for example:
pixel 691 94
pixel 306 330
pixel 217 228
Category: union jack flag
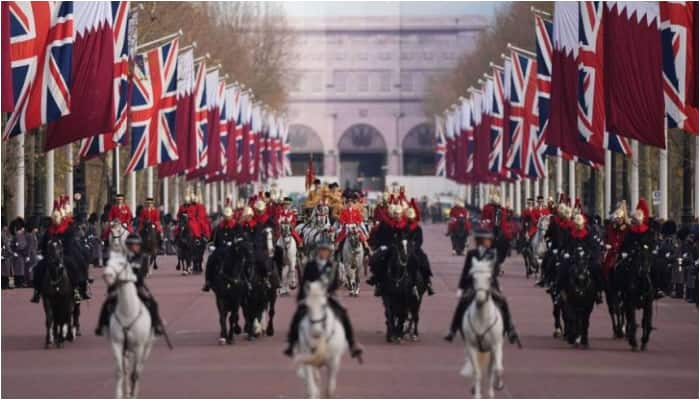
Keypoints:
pixel 223 125
pixel 526 152
pixel 242 139
pixel 591 101
pixel 677 47
pixel 467 117
pixel 543 34
pixel 153 108
pixel 450 156
pixel 104 142
pixel 497 123
pixel 200 112
pixel 286 148
pixel 41 49
pixel 440 147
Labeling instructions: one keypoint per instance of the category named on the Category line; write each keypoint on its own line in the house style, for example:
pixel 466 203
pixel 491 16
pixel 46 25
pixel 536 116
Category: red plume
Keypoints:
pixel 56 206
pixel 415 207
pixel 642 205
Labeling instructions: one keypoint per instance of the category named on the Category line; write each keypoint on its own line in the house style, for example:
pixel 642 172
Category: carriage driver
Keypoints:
pixel 322 269
pixel 136 261
pixel 483 251
pixel 224 236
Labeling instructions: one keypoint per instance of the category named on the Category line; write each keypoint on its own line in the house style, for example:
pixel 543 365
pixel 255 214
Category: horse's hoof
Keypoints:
pixel 414 338
pixel 222 341
pixel 498 384
pixel 557 333
pixel 250 337
pixel 644 347
pixel 59 345
pixel 585 346
pixel 78 333
pixel 229 342
pixel 270 331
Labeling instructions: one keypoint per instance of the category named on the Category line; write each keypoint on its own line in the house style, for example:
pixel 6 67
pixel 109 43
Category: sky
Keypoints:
pixel 389 8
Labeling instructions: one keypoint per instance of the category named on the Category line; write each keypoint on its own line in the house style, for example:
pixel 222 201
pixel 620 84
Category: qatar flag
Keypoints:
pixel 634 98
pixel 563 119
pixel 92 77
pixel 233 98
pixel 450 151
pixel 482 135
pixel 213 145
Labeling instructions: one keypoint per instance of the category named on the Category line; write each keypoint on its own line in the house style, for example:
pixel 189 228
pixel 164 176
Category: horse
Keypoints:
pixel 416 298
pixel 321 343
pixel 185 245
pixel 459 236
pixel 353 257
pixel 118 232
pixel 482 330
pixel 396 291
pixel 130 326
pixel 229 286
pixel 57 298
pixel 151 244
pixel 632 278
pixel 290 262
pixel 578 295
pixel 261 295
pixel 538 242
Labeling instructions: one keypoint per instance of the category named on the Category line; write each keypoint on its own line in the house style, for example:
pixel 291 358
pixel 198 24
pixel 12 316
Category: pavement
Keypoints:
pixel 198 367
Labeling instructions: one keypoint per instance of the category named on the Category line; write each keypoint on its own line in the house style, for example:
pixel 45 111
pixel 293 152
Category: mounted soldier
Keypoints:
pixel 495 218
pixel 223 240
pixel 581 238
pixel 121 212
pixel 324 270
pixel 287 215
pixel 615 232
pixel 150 215
pixel 137 262
pixel 558 236
pixel 351 215
pixel 414 233
pixel 484 251
pixel 530 216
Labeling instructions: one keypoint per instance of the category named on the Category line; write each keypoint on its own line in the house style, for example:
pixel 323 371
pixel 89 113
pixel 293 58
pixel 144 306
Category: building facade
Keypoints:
pixel 356 100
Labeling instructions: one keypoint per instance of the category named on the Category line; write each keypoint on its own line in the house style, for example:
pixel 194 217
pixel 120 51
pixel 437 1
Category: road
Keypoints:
pixel 198 367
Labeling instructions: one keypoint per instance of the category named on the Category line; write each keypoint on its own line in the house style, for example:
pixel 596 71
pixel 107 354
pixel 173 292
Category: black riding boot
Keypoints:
pixel 456 323
pixel 342 314
pixel 210 270
pixel 293 334
pixel 508 326
pixel 105 313
pixel 156 322
pixel 84 292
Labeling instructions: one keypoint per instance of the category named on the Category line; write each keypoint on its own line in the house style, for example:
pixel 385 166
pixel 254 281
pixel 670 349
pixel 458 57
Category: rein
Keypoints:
pixel 480 336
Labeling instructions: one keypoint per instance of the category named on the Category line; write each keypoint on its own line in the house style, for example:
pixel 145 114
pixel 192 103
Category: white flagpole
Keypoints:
pixel 559 176
pixel 149 182
pixel 536 189
pixel 468 195
pixel 608 183
pixel 517 205
pixel 19 195
pixel 207 203
pixel 634 175
pixel 50 183
pixel 527 189
pixel 117 175
pixel 663 175
pixel 132 191
pixel 69 174
pixel 165 194
pixel 511 194
pixel 504 192
pixel 572 181
pixel 545 180
pixel 176 203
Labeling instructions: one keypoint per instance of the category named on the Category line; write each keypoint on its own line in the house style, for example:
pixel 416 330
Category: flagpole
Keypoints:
pixel 176 203
pixel 517 205
pixel 663 174
pixel 608 183
pixel 132 191
pixel 559 176
pixel 522 51
pixel 166 196
pixel 149 182
pixel 545 181
pixel 527 189
pixel 511 194
pixel 50 174
pixel 572 180
pixel 536 188
pixel 19 197
pixel 69 175
pixel 634 174
pixel 207 203
pixel 504 192
pixel 165 38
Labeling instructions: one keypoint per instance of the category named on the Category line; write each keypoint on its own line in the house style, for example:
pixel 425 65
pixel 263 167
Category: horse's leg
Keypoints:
pixel 231 324
pixel 333 375
pixel 119 359
pixel 76 319
pixel 222 321
pixel 497 363
pixel 311 382
pixel 556 313
pixel 646 323
pixel 270 331
pixel 631 317
pixel 586 326
pixel 473 360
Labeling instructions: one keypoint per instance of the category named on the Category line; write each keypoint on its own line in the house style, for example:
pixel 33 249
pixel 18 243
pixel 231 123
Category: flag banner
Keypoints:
pixel 41 49
pixel 272 155
pixel 463 125
pixel 246 136
pixel 563 118
pixel 526 153
pixel 543 36
pixel 286 149
pixel 92 76
pixel 213 142
pixel 8 101
pixel 108 140
pixel 223 130
pixel 185 121
pixel 679 51
pixel 153 107
pixel 440 147
pixel 233 97
pixel 451 145
pixel 254 144
pixel 633 71
pixel 507 81
pixel 482 135
pixel 496 127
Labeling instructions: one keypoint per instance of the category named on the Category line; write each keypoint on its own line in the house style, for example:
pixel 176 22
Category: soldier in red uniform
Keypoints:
pixel 121 212
pixel 530 216
pixel 542 208
pixel 200 215
pixel 287 215
pixel 189 208
pixel 350 215
pixel 615 232
pixel 150 214
pixel 456 212
pixel 495 218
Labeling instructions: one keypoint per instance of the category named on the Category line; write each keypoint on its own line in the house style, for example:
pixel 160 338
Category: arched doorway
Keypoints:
pixel 419 150
pixel 362 158
pixel 305 143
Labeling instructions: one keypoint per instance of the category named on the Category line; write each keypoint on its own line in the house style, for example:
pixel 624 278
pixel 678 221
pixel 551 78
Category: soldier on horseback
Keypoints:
pixel 121 212
pixel 484 251
pixel 381 239
pixel 287 215
pixel 223 238
pixel 639 237
pixel 62 228
pixel 458 212
pixel 495 218
pixel 137 262
pixel 351 215
pixel 150 215
pixel 581 238
pixel 324 270
pixel 558 236
pixel 530 217
pixel 414 233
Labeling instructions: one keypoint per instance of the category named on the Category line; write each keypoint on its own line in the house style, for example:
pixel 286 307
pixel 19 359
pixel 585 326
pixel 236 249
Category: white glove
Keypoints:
pixel 555 251
pixel 607 246
pixel 39 257
pixel 382 248
pixel 460 292
pixel 212 248
pixel 624 255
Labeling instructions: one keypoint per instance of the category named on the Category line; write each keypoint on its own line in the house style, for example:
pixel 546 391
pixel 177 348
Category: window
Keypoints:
pixel 315 81
pixel 384 81
pixel 406 81
pixel 340 80
pixel 362 81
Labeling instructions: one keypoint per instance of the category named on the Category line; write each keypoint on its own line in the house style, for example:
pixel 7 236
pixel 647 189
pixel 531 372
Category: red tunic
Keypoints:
pixel 488 219
pixel 191 211
pixel 348 216
pixel 532 216
pixel 151 215
pixel 614 236
pixel 201 217
pixel 456 213
pixel 288 217
pixel 121 213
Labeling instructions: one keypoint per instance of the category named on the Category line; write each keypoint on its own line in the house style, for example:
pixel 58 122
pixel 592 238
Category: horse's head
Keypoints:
pixel 317 308
pixel 182 221
pixel 580 271
pixel 54 252
pixel 269 242
pixel 118 270
pixel 543 224
pixel 482 273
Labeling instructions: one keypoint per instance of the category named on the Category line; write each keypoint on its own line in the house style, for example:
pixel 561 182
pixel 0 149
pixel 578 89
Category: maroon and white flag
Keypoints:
pixel 634 99
pixel 92 77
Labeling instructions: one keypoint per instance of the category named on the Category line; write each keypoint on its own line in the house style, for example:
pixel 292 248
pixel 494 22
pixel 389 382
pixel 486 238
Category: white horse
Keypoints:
pixel 539 243
pixel 482 326
pixel 353 256
pixel 117 236
pixel 289 259
pixel 130 328
pixel 321 343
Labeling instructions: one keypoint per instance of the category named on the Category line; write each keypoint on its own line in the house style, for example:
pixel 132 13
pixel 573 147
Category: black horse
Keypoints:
pixel 458 236
pixel 230 286
pixel 579 292
pixel 397 290
pixel 151 244
pixel 185 243
pixel 416 298
pixel 633 280
pixel 262 285
pixel 62 314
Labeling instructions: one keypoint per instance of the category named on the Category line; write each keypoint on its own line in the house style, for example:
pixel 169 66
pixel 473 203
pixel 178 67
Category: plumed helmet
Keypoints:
pixel 188 198
pixel 394 209
pixel 259 206
pixel 641 213
pixel 564 210
pixel 410 213
pixel 56 216
pixel 458 202
pixel 495 197
pixel 579 220
pixel 247 212
pixel 240 203
pixel 228 212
